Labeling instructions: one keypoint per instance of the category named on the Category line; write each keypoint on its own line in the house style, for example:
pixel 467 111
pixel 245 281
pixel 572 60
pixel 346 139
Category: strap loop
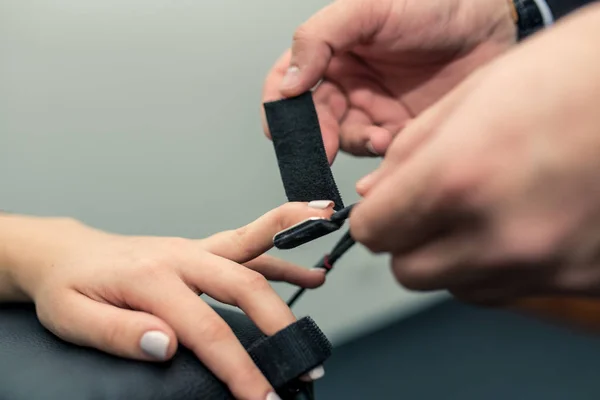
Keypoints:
pixel 301 156
pixel 291 352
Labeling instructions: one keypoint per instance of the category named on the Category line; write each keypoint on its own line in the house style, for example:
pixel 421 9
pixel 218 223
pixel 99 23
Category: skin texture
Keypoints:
pixel 104 290
pixel 493 192
pixel 383 62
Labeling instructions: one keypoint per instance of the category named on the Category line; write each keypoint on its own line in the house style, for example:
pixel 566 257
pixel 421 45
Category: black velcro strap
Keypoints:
pixel 291 352
pixel 296 135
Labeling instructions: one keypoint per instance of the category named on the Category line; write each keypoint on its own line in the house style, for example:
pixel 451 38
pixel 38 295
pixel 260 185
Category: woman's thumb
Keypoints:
pixel 121 332
pixel 335 29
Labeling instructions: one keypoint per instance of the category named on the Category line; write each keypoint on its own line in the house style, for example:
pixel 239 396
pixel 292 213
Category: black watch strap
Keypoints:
pixel 530 19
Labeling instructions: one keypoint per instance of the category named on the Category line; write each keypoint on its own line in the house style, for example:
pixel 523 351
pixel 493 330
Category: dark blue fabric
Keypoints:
pixel 456 351
pixel 561 8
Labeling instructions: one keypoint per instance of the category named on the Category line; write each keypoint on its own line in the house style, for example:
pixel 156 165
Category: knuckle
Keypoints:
pixel 246 246
pixel 153 267
pixel 362 232
pixel 177 243
pixel 48 312
pixel 409 281
pixel 301 34
pixel 164 258
pixel 455 182
pixel 531 243
pixel 408 277
pixel 460 183
pixel 246 376
pixel 112 335
pixel 281 215
pixel 213 329
pixel 255 282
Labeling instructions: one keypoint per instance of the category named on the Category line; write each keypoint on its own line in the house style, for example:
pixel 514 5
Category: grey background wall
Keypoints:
pixel 142 117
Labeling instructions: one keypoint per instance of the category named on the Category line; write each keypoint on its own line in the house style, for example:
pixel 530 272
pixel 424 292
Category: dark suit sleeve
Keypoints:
pixel 560 8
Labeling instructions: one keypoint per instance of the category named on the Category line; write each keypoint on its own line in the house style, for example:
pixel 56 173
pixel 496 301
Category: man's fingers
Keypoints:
pixel 394 213
pixel 415 134
pixel 441 264
pixel 271 87
pixel 334 29
pixel 331 105
pixel 275 269
pixel 402 147
pixel 357 129
pixel 248 242
pixel 203 331
pixel 124 333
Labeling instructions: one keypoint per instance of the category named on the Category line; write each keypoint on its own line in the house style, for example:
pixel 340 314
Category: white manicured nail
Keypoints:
pixel 321 204
pixel 155 344
pixel 313 375
pixel 273 396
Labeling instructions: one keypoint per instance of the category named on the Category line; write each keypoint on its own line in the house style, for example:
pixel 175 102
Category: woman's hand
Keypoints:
pixel 494 192
pixel 383 62
pixel 138 297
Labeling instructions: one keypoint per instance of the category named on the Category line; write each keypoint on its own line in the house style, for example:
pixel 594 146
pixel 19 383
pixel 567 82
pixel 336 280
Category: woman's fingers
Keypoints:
pixel 234 284
pixel 248 242
pixel 276 269
pixel 202 330
pixel 124 333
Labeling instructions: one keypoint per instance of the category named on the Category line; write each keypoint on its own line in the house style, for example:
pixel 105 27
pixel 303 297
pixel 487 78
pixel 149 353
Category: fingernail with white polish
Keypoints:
pixel 273 396
pixel 313 375
pixel 371 149
pixel 321 204
pixel 291 77
pixel 155 344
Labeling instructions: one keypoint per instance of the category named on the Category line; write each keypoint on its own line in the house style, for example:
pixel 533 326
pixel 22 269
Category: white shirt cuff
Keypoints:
pixel 547 16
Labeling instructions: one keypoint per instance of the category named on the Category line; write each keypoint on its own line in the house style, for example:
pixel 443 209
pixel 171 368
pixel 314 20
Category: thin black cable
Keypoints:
pixel 303 396
pixel 327 262
pixel 342 215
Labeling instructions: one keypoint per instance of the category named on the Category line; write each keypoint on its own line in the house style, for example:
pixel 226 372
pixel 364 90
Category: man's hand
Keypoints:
pixel 383 62
pixel 494 192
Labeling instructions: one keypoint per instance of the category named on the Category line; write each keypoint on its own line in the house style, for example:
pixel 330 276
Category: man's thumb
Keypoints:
pixel 335 29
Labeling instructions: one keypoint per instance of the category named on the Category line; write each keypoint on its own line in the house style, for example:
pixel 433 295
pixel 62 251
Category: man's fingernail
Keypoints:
pixel 313 375
pixel 291 78
pixel 155 344
pixel 371 149
pixel 273 396
pixel 321 204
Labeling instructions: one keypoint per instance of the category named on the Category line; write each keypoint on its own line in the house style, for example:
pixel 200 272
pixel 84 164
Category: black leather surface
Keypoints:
pixel 35 364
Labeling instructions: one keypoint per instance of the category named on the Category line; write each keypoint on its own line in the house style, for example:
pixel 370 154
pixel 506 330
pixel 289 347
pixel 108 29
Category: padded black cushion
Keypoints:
pixel 35 364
